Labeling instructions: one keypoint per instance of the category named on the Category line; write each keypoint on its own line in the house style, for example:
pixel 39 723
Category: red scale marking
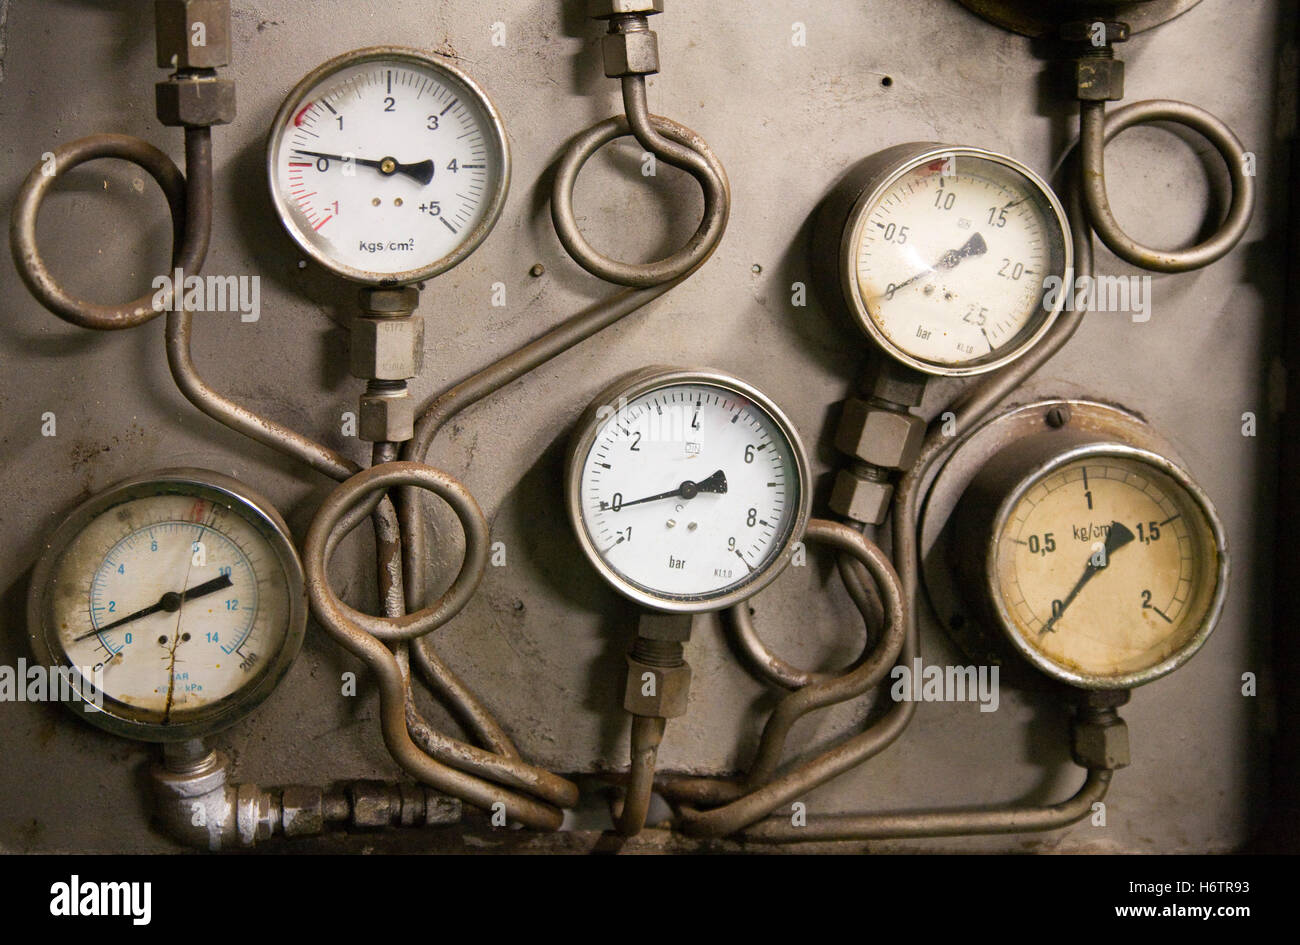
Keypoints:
pixel 297 119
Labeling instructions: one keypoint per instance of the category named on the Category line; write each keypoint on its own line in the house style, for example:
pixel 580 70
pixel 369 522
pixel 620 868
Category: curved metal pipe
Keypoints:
pixel 1096 129
pixel 947 823
pixel 647 734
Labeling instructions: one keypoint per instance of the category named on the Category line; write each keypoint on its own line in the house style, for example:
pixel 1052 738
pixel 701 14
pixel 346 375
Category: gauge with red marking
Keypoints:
pixel 388 165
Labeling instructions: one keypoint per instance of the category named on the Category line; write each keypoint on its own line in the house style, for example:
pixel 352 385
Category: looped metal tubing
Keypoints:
pixel 188 252
pixel 668 141
pixel 324 536
pixel 1096 129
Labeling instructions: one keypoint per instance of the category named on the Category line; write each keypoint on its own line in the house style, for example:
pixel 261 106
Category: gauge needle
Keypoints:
pixel 687 490
pixel 421 170
pixel 170 602
pixel 975 246
pixel 1116 538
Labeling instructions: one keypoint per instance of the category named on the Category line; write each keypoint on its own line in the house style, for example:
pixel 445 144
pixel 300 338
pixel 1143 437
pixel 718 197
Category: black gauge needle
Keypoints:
pixel 975 246
pixel 687 490
pixel 421 170
pixel 170 602
pixel 1116 538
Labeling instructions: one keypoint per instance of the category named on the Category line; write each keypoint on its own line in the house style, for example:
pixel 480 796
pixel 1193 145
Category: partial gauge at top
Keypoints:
pixel 388 165
pixel 687 489
pixel 948 256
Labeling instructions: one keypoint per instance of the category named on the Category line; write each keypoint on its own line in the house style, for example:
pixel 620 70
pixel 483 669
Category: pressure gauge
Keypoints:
pixel 388 165
pixel 687 489
pixel 953 259
pixel 171 604
pixel 1102 563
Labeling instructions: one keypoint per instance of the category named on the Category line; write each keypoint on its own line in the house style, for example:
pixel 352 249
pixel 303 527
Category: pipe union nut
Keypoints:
pixel 628 54
pixel 608 9
pixel 879 436
pixel 656 691
pixel 196 103
pixel 386 417
pixel 192 34
pixel 863 500
pixel 1099 80
pixel 1101 744
pixel 302 811
pixel 387 349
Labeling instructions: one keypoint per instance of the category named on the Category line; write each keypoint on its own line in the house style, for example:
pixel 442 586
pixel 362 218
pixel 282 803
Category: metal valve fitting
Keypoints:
pixel 193 38
pixel 631 47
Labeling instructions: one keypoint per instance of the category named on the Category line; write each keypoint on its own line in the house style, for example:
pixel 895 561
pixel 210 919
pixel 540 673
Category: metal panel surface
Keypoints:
pixel 544 639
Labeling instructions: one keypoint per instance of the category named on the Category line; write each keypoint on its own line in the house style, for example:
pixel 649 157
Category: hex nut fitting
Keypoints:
pixel 878 435
pixel 195 102
pixel 302 810
pixel 1099 80
pixel 627 54
pixel 387 349
pixel 658 692
pixel 192 34
pixel 891 382
pixel 608 9
pixel 1101 742
pixel 863 500
pixel 386 416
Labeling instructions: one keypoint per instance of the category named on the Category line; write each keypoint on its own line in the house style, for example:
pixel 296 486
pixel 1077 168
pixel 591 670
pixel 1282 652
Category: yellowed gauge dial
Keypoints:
pixel 1108 567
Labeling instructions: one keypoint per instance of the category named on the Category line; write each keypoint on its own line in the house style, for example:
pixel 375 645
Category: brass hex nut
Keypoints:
pixel 656 691
pixel 626 54
pixel 195 102
pixel 192 34
pixel 386 417
pixel 387 349
pixel 441 810
pixel 863 500
pixel 1099 80
pixel 1101 744
pixel 373 803
pixel 301 811
pixel 879 436
pixel 607 9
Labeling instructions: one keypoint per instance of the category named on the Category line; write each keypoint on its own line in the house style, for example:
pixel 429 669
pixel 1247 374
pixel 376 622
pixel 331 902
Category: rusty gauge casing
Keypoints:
pixel 951 259
pixel 171 605
pixel 1094 557
pixel 388 165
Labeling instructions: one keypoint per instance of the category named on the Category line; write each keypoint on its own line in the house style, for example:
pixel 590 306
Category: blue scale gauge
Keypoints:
pixel 170 605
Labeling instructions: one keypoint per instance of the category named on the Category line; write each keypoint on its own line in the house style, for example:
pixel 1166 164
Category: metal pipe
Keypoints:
pixel 949 823
pixel 1096 129
pixel 647 734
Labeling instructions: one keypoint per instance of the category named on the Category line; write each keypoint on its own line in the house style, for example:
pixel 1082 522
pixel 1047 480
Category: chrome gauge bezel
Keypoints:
pixel 494 133
pixel 645 382
pixel 898 162
pixel 1213 608
pixel 117 717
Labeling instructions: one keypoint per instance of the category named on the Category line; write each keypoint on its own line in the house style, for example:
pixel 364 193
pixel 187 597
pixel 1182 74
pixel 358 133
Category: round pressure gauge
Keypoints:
pixel 169 606
pixel 687 489
pixel 1104 564
pixel 952 259
pixel 388 165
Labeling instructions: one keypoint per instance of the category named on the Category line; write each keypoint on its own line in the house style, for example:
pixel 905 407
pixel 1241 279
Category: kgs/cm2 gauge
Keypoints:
pixel 943 255
pixel 175 600
pixel 388 165
pixel 687 489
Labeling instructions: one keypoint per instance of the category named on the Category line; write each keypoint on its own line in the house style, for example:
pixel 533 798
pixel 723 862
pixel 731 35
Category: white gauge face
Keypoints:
pixel 388 167
pixel 172 604
pixel 950 261
pixel 1107 567
pixel 690 492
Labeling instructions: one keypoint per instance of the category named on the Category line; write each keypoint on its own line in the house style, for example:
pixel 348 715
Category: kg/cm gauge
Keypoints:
pixel 687 489
pixel 388 165
pixel 1097 559
pixel 945 255
pixel 175 601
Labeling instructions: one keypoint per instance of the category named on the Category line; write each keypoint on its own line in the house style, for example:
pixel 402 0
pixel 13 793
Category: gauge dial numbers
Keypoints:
pixel 180 603
pixel 388 165
pixel 947 260
pixel 688 492
pixel 1109 568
